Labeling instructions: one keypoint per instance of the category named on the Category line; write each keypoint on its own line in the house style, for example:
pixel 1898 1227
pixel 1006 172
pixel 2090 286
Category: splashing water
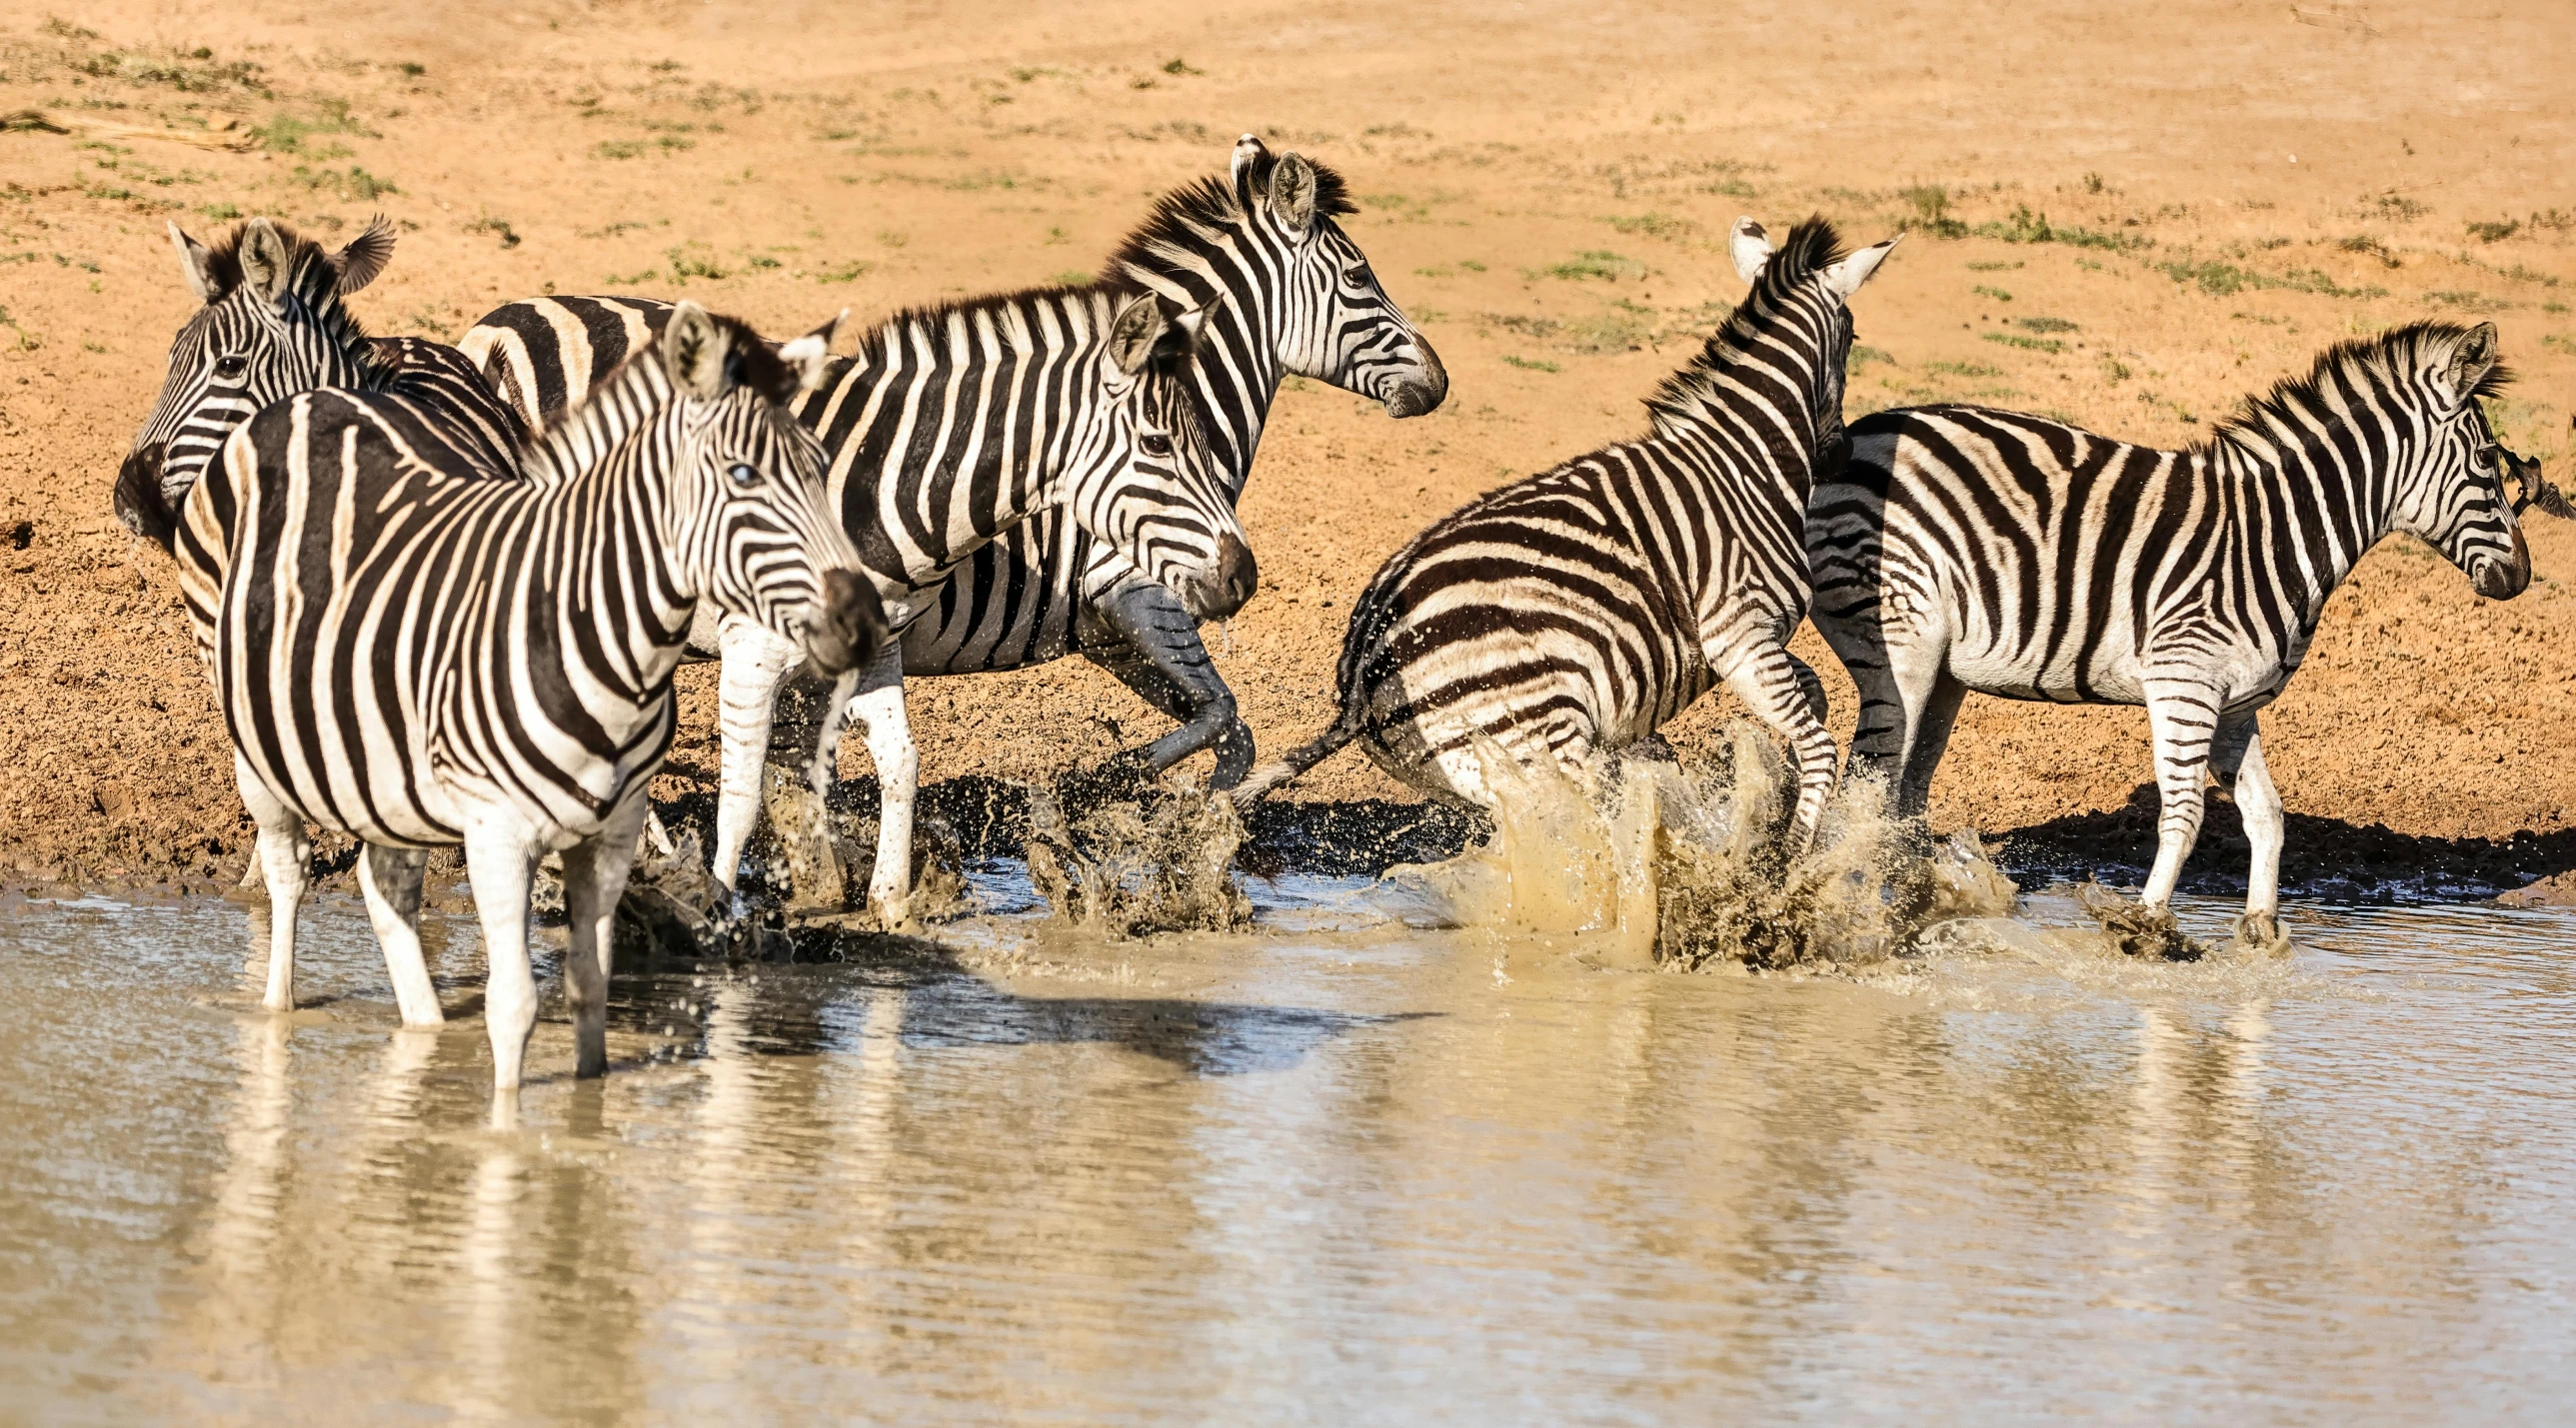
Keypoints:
pixel 1691 871
pixel 1131 869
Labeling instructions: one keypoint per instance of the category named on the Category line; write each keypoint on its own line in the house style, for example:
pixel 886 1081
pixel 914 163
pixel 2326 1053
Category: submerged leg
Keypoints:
pixel 390 878
pixel 501 860
pixel 286 859
pixel 1163 659
pixel 2237 759
pixel 595 872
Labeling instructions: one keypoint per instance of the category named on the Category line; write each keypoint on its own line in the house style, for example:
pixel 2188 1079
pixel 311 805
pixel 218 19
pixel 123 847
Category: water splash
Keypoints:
pixel 1134 869
pixel 1690 871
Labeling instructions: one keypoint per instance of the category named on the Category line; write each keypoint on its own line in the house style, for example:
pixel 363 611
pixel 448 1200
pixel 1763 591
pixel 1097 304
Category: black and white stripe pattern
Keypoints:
pixel 274 323
pixel 1575 612
pixel 1287 293
pixel 1968 549
pixel 951 425
pixel 417 653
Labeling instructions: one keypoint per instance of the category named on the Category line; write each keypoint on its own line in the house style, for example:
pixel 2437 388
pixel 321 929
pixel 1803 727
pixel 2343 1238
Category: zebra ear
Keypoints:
pixel 196 266
pixel 1138 329
pixel 1846 276
pixel 1181 336
pixel 366 256
pixel 694 350
pixel 1750 246
pixel 1248 151
pixel 811 353
pixel 268 266
pixel 2471 360
pixel 1292 193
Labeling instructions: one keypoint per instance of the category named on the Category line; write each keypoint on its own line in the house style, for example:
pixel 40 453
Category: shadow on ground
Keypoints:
pixel 2323 858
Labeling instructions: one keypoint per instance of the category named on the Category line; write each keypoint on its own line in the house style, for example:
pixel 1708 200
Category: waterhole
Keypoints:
pixel 1350 1165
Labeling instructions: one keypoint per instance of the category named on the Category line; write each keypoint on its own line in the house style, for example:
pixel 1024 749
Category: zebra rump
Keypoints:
pixel 1575 612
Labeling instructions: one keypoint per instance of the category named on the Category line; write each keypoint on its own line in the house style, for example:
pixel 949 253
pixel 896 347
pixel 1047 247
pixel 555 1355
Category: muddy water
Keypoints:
pixel 1341 1169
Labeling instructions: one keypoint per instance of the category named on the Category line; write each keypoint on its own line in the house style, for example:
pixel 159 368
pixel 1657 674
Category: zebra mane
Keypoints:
pixel 876 342
pixel 1211 202
pixel 574 439
pixel 2388 360
pixel 1685 396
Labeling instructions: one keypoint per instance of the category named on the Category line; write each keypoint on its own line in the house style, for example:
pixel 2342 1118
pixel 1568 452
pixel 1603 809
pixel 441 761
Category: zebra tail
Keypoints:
pixel 1268 775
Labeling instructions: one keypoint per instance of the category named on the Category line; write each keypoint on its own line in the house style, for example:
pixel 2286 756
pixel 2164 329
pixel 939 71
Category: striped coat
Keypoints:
pixel 1574 613
pixel 1968 549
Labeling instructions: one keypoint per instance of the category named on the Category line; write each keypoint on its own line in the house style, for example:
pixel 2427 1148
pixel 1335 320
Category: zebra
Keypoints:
pixel 1575 612
pixel 1963 548
pixel 951 425
pixel 1288 293
pixel 273 322
pixel 425 654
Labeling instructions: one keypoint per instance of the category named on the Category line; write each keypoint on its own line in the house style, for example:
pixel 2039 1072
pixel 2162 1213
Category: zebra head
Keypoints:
pixel 1334 322
pixel 754 533
pixel 2449 488
pixel 1145 479
pixel 272 324
pixel 1800 306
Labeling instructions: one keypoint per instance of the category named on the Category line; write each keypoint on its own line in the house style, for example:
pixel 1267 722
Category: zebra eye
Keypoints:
pixel 1156 444
pixel 743 475
pixel 231 367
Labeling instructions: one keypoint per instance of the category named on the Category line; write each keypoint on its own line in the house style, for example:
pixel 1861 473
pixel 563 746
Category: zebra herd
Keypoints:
pixel 441 591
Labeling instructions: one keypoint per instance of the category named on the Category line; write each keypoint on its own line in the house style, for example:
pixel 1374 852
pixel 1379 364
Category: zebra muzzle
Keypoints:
pixel 1228 585
pixel 849 627
pixel 1422 393
pixel 138 499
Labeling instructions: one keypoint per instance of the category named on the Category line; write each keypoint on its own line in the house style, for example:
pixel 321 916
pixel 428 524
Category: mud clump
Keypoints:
pixel 2136 929
pixel 1132 869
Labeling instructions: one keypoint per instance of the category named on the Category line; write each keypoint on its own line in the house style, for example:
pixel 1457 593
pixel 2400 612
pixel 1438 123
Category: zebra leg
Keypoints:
pixel 501 862
pixel 2237 759
pixel 1767 681
pixel 1175 675
pixel 2182 717
pixel 756 663
pixel 286 857
pixel 1936 713
pixel 595 872
pixel 879 706
pixel 390 878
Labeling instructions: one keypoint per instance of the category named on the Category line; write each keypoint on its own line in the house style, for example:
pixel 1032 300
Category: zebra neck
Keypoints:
pixel 1236 371
pixel 2300 512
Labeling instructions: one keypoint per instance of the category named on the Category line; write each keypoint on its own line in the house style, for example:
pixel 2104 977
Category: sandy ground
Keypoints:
pixel 2130 215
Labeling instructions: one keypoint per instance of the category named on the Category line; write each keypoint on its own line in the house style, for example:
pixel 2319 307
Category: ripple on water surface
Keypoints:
pixel 1345 1168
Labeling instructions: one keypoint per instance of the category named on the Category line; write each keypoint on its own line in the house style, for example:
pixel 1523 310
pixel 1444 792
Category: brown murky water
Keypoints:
pixel 1341 1169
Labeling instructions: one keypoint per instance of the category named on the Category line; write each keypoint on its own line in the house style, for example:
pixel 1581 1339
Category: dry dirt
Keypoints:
pixel 2128 214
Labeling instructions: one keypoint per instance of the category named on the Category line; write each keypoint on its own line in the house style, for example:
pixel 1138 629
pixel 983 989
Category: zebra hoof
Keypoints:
pixel 2260 933
pixel 2138 930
